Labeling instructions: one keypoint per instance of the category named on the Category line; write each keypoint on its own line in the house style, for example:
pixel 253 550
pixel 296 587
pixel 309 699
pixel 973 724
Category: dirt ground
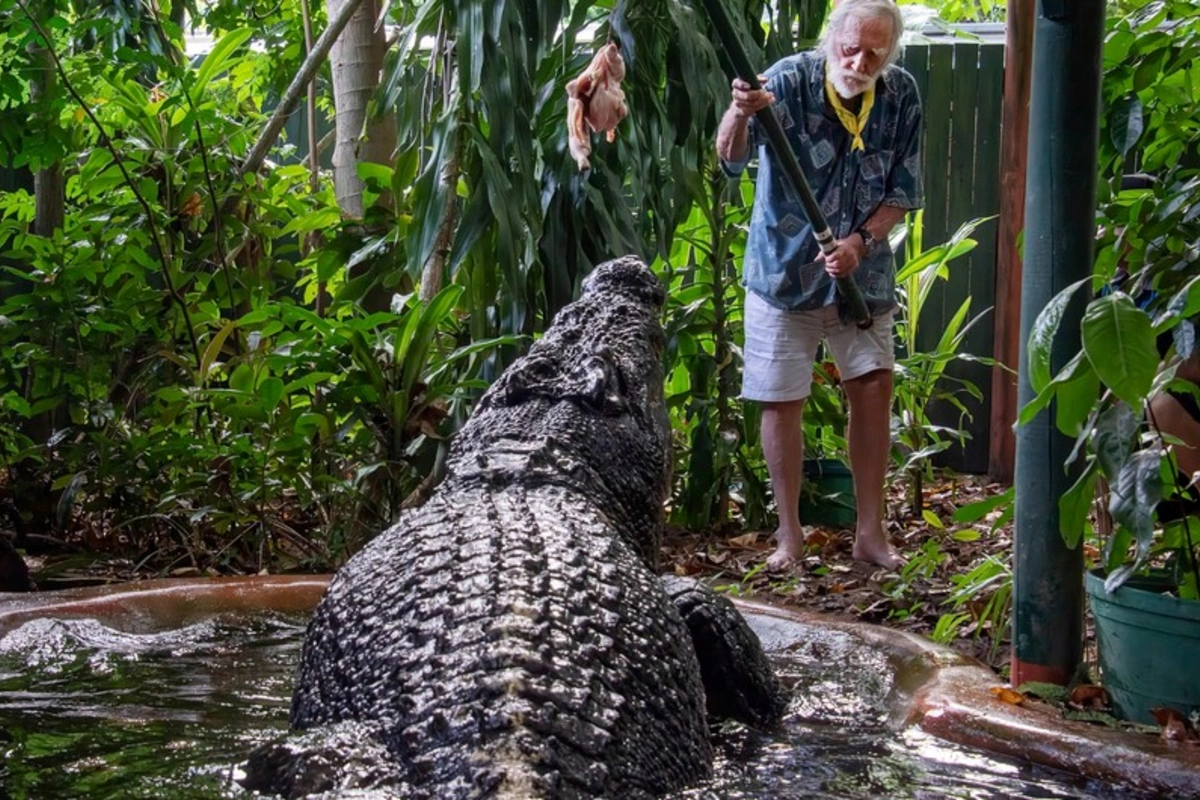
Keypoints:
pixel 936 585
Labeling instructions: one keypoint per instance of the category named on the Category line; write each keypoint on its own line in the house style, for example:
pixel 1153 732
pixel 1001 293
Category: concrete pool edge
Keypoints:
pixel 936 690
pixel 949 696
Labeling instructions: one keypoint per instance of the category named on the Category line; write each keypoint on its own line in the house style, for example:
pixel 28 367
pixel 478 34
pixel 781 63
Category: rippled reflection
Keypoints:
pixel 91 712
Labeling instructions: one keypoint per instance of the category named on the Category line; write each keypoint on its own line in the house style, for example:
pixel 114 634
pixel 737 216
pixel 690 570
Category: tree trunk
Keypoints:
pixel 48 182
pixel 357 60
pixel 33 495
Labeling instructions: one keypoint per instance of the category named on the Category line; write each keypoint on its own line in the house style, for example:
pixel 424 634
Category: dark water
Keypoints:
pixel 90 712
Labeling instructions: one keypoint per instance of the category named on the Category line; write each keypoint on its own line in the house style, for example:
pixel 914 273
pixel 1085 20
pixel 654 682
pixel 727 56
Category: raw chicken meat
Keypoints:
pixel 596 97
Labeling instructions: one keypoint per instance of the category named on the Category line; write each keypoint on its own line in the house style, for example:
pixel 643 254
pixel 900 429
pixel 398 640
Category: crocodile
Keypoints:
pixel 511 637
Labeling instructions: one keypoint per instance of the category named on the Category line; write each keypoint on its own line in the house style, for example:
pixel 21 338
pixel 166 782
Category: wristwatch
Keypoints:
pixel 869 241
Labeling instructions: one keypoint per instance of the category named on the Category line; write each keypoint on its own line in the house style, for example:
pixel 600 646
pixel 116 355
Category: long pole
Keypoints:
pixel 787 158
pixel 1060 234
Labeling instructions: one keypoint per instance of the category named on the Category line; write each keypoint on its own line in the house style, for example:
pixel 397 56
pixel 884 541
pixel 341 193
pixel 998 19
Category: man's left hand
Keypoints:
pixel 845 258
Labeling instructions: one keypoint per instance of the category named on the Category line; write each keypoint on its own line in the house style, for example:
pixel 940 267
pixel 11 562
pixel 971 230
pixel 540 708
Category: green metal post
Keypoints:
pixel 1060 232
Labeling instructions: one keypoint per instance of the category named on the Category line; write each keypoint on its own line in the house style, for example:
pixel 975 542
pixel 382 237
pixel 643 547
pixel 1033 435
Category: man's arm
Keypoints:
pixel 850 252
pixel 733 134
pixel 880 224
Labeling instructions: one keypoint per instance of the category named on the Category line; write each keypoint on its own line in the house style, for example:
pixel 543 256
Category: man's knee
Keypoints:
pixel 875 384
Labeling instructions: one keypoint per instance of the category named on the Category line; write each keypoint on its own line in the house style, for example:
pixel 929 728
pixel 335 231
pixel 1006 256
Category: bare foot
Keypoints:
pixel 876 550
pixel 788 553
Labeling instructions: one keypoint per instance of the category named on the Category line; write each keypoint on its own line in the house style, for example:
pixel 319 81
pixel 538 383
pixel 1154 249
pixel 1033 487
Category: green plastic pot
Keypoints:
pixel 827 495
pixel 1149 647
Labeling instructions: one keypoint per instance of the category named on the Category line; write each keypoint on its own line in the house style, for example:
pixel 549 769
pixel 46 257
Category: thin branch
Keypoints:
pixel 291 96
pixel 108 144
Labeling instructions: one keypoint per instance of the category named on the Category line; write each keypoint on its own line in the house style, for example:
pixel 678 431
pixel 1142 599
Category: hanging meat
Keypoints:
pixel 595 98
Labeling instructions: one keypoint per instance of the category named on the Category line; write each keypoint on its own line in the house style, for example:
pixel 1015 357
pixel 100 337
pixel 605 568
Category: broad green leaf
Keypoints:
pixel 1113 440
pixel 1074 368
pixel 1119 341
pixel 270 392
pixel 1074 505
pixel 1075 400
pixel 1041 338
pixel 974 512
pixel 219 59
pixel 1135 494
pixel 1126 124
pixel 242 379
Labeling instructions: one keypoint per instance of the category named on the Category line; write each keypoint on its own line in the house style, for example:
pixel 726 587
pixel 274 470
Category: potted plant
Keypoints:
pixel 1144 588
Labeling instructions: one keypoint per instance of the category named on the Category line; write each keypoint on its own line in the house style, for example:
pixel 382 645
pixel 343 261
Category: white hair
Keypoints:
pixel 863 10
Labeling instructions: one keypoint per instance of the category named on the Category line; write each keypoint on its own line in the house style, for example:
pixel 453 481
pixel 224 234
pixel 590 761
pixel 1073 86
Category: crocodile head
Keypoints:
pixel 584 408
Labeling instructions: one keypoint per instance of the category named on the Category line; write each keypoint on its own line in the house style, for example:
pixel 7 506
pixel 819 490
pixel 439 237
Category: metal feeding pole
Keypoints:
pixel 787 158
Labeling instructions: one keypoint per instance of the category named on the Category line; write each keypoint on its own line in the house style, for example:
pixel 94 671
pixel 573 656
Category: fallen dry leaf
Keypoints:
pixel 1008 695
pixel 1089 697
pixel 745 540
pixel 820 538
pixel 1174 726
pixel 718 556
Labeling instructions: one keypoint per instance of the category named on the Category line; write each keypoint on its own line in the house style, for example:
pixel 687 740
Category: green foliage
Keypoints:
pixel 1146 262
pixel 959 11
pixel 716 468
pixel 920 376
pixel 188 394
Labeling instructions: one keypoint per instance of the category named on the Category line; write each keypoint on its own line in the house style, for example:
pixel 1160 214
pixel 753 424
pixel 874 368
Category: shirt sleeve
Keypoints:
pixel 756 137
pixel 905 188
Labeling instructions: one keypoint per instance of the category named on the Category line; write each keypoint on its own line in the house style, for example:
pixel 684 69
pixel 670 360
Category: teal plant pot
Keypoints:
pixel 1149 647
pixel 827 494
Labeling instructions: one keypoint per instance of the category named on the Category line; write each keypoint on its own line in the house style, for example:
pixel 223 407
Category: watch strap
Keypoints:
pixel 869 241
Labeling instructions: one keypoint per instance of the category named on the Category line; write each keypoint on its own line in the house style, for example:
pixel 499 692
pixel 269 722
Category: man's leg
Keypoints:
pixel 869 436
pixel 783 448
pixel 779 350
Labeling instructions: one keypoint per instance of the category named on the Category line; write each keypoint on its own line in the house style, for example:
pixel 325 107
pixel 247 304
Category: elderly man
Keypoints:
pixel 854 121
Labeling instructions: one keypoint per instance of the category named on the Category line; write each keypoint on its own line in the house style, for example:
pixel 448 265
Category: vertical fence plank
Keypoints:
pixel 974 277
pixel 961 87
pixel 985 202
pixel 938 105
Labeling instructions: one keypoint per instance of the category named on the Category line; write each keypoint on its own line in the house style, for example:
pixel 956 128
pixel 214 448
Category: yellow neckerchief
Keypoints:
pixel 854 125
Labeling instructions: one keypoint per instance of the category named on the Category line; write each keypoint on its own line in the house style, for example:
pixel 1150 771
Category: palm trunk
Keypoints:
pixel 357 60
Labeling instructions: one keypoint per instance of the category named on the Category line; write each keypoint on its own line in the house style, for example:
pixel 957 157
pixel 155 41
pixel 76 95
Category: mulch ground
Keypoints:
pixel 934 586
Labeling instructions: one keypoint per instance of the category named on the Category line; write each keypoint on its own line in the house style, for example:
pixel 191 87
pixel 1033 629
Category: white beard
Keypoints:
pixel 850 84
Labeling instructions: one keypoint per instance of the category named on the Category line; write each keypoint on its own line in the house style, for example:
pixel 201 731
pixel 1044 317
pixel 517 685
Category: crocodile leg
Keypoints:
pixel 739 682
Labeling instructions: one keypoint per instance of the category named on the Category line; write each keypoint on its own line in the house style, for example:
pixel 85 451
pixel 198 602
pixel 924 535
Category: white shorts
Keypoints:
pixel 781 348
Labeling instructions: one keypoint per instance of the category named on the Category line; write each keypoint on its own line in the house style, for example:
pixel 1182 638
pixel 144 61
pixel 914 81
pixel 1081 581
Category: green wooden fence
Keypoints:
pixel 961 86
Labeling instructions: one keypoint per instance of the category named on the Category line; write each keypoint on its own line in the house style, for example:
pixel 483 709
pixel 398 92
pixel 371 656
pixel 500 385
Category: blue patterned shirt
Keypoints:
pixel 781 254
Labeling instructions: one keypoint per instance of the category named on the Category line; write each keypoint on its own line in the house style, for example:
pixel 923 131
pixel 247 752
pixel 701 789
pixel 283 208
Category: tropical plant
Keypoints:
pixel 920 375
pixel 1146 292
pixel 702 360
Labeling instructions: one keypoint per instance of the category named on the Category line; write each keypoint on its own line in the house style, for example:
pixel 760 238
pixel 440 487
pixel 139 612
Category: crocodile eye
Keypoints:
pixel 598 382
pixel 528 377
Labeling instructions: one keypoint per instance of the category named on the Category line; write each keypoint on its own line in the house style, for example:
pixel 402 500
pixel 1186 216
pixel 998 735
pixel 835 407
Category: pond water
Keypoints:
pixel 88 711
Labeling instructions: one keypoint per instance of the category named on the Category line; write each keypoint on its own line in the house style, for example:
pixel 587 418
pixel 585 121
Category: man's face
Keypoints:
pixel 858 53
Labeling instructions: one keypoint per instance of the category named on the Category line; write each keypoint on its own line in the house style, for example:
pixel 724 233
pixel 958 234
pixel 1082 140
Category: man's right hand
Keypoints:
pixel 746 101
